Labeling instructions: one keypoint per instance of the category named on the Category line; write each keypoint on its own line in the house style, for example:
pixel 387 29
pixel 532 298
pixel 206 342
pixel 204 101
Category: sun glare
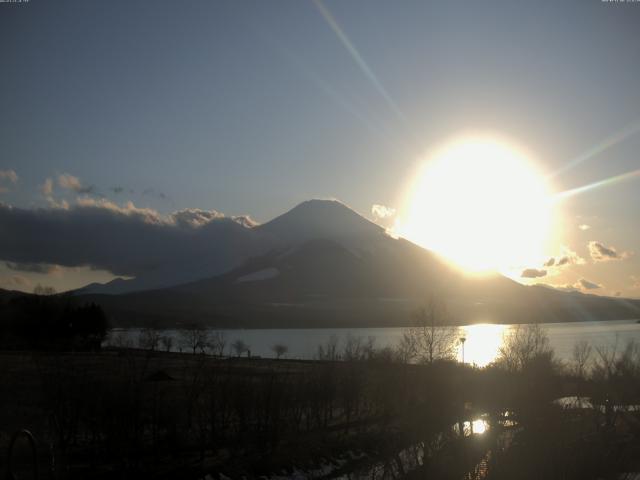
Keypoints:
pixel 481 204
pixel 479 426
pixel 482 343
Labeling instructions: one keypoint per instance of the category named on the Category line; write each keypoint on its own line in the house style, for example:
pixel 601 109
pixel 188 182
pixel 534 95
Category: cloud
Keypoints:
pixel 125 239
pixel 69 182
pixel 581 285
pixel 565 288
pixel 7 176
pixel 47 190
pixel 194 217
pixel 47 187
pixel 585 284
pixel 533 273
pixel 117 189
pixel 62 205
pixel 14 281
pixel 381 211
pixel 584 227
pixel 601 253
pixel 566 257
pixel 45 268
pixel 148 215
pixel 245 221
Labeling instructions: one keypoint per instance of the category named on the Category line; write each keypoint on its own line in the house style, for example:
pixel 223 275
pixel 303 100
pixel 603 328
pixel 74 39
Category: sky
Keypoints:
pixel 248 108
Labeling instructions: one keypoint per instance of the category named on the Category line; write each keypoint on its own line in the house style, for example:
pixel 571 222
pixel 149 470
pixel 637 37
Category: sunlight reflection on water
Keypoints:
pixel 481 343
pixel 479 426
pixel 481 346
pixel 474 427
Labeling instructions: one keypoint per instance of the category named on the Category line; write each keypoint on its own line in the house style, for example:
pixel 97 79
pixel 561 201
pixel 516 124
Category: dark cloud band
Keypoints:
pixel 123 240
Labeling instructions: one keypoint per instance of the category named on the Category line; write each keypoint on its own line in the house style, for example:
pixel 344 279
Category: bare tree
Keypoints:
pixel 359 348
pixel 239 347
pixel 329 351
pixel 218 343
pixel 605 361
pixel 149 339
pixel 629 362
pixel 353 349
pixel 370 347
pixel 406 348
pixel 279 349
pixel 167 342
pixel 525 344
pixel 616 377
pixel 431 338
pixel 581 358
pixel 120 340
pixel 195 338
pixel 612 362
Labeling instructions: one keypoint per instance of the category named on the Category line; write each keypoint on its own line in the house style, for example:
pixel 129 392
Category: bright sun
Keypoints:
pixel 481 204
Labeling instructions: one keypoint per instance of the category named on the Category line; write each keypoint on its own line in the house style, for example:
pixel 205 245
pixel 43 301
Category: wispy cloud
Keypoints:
pixel 7 177
pixel 533 273
pixel 47 190
pixel 382 211
pixel 73 183
pixel 581 285
pixel 585 284
pixel 566 257
pixel 11 282
pixel 47 187
pixel 601 253
pixel 194 217
pixel 30 267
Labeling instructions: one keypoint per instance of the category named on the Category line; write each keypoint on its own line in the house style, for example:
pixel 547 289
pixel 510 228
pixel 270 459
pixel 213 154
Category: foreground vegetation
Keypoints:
pixel 403 413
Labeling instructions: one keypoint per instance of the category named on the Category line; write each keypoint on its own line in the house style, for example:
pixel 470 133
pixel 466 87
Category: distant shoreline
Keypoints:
pixel 361 327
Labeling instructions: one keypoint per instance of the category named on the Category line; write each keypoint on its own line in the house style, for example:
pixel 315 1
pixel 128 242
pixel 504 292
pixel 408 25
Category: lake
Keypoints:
pixel 481 346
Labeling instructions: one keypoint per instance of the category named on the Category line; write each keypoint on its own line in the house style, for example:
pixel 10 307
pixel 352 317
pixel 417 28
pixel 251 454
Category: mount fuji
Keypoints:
pixel 322 264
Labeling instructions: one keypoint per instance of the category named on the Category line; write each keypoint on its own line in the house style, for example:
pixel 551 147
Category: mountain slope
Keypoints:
pixel 322 264
pixel 226 244
pixel 321 220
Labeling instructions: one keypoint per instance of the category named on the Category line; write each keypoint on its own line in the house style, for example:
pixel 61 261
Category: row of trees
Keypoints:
pixel 51 322
pixel 194 339
pixel 430 339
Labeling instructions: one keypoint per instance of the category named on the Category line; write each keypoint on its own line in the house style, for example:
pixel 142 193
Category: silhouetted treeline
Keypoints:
pixel 49 322
pixel 155 414
pixel 357 411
